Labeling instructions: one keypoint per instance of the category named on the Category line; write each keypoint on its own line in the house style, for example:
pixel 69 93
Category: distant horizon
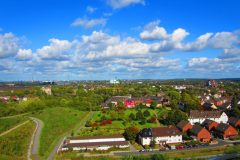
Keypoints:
pixel 122 80
pixel 133 39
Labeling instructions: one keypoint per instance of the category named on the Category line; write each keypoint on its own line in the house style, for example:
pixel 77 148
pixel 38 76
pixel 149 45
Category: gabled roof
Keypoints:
pixel 207 122
pixel 146 132
pixel 233 120
pixel 196 129
pixel 182 124
pixel 205 114
pixel 165 131
pixel 222 127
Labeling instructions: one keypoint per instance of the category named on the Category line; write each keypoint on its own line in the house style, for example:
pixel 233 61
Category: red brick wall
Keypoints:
pixel 230 132
pixel 187 127
pixel 204 135
pixel 212 126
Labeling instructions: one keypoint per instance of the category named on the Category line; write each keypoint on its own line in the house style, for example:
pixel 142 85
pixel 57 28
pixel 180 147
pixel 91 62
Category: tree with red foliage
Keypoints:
pixel 105 122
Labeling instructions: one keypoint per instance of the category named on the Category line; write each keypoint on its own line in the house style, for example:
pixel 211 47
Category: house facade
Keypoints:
pixel 235 122
pixel 209 124
pixel 160 135
pixel 200 116
pixel 184 126
pixel 225 131
pixel 199 133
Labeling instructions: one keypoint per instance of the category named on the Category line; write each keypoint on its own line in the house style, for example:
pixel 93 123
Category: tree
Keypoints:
pixel 153 105
pixel 132 117
pixel 131 133
pixel 139 115
pixel 146 113
pixel 174 117
pixel 234 104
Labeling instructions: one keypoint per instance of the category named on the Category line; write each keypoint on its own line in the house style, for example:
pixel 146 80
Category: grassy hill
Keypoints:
pixel 57 122
pixel 9 123
pixel 14 145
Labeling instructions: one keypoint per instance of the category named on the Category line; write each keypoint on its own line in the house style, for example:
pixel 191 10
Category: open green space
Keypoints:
pixel 14 145
pixel 8 123
pixel 57 121
pixel 120 120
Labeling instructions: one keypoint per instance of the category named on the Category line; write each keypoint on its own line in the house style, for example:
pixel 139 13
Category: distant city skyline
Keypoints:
pixel 127 39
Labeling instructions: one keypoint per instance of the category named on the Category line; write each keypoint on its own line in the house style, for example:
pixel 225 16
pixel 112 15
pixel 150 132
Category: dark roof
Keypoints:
pixel 196 129
pixel 225 105
pixel 165 131
pixel 205 114
pixel 207 106
pixel 207 122
pixel 182 124
pixel 146 132
pixel 233 120
pixel 222 127
pixel 91 144
pixel 95 137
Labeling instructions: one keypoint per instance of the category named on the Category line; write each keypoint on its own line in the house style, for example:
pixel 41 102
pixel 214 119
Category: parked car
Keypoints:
pixel 179 147
pixel 143 150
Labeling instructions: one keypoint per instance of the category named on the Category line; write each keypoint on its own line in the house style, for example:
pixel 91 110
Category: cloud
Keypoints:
pixel 89 23
pixel 9 45
pixel 117 4
pixel 231 55
pixel 205 64
pixel 58 49
pixel 24 54
pixel 90 9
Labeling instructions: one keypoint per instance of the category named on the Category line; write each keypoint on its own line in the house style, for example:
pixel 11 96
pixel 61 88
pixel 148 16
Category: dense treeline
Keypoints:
pixel 90 96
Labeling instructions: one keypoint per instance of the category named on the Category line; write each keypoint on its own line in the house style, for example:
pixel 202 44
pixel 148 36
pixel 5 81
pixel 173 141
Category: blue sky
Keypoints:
pixel 127 39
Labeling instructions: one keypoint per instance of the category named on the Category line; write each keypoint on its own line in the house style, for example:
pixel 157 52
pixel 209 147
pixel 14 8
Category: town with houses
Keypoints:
pixel 163 122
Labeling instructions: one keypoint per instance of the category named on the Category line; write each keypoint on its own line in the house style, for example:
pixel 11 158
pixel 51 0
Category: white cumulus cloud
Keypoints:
pixel 116 4
pixel 89 23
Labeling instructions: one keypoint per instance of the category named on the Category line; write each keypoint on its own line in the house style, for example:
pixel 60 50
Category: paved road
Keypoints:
pixel 220 143
pixel 10 130
pixel 60 142
pixel 34 144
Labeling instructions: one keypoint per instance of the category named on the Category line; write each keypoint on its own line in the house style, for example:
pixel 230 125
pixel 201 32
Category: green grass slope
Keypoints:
pixel 14 145
pixel 8 123
pixel 57 122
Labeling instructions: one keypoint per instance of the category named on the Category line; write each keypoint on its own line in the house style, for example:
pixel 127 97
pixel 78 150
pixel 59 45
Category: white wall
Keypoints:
pixel 158 140
pixel 222 119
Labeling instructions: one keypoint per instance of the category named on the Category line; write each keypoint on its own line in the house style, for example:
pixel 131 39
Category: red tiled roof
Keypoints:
pixel 165 131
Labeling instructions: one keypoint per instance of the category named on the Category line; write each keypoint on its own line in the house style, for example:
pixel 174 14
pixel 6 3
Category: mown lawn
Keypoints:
pixel 14 145
pixel 57 122
pixel 8 123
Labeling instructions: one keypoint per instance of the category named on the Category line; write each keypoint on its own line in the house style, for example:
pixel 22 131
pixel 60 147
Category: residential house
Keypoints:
pixel 209 124
pixel 200 133
pixel 95 142
pixel 235 122
pixel 225 106
pixel 160 135
pixel 209 106
pixel 225 131
pixel 184 126
pixel 196 116
pixel 47 90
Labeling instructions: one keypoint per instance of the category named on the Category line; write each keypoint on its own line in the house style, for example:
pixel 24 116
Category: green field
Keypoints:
pixel 14 145
pixel 117 126
pixel 57 122
pixel 8 123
